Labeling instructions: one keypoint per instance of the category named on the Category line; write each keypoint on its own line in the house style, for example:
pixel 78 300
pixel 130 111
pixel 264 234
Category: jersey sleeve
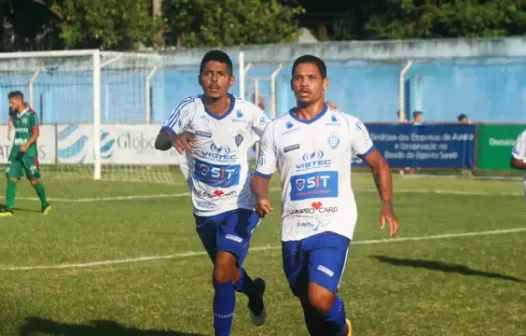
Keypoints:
pixel 267 157
pixel 33 121
pixel 361 142
pixel 261 120
pixel 181 116
pixel 519 149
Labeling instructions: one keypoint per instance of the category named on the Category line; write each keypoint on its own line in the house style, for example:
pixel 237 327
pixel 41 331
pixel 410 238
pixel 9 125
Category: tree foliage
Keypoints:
pixel 108 24
pixel 403 19
pixel 193 23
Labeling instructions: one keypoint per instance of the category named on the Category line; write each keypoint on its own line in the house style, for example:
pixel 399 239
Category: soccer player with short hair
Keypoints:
pixel 312 147
pixel 24 154
pixel 216 131
pixel 518 155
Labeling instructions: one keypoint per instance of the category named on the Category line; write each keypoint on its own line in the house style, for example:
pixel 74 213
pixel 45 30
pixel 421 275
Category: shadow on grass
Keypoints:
pixel 3 207
pixel 443 267
pixel 42 326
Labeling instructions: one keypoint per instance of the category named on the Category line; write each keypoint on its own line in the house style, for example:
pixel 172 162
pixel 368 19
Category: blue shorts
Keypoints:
pixel 229 231
pixel 320 258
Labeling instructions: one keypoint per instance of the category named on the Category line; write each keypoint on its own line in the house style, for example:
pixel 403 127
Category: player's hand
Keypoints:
pixel 184 142
pixel 331 105
pixel 8 136
pixel 24 148
pixel 387 215
pixel 263 206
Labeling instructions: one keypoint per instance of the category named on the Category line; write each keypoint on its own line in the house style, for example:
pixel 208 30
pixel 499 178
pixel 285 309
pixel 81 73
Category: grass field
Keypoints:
pixel 123 259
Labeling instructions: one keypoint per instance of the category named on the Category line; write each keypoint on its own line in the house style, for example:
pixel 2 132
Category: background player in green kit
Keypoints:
pixel 24 154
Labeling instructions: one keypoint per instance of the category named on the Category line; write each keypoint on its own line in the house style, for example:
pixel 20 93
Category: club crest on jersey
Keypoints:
pixel 300 183
pixel 239 114
pixel 333 140
pixel 289 125
pixel 238 139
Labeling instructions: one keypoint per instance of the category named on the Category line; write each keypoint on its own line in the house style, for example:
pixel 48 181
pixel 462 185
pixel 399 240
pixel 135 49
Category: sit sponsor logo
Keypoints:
pixel 323 184
pixel 214 175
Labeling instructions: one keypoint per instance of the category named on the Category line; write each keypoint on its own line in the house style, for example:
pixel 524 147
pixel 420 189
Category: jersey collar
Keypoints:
pixel 224 115
pixel 23 112
pixel 310 121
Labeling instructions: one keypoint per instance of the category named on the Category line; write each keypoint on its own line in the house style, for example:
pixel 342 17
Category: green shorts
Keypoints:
pixel 23 163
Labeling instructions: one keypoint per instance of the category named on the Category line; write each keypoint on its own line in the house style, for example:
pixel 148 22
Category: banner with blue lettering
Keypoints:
pixel 424 146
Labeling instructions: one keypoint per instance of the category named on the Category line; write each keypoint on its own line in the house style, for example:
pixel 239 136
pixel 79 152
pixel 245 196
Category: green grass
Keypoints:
pixel 451 286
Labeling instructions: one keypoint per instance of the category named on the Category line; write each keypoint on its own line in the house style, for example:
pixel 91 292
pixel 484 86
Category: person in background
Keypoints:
pixel 463 119
pixel 418 118
pixel 404 120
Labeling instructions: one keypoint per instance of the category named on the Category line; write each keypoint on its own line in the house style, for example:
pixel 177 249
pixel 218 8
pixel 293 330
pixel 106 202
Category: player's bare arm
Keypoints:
pixel 260 188
pixel 34 136
pixel 9 128
pixel 384 183
pixel 165 140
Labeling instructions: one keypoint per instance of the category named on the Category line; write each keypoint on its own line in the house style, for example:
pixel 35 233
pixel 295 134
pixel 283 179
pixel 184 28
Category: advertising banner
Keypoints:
pixel 46 144
pixel 439 146
pixel 494 145
pixel 120 144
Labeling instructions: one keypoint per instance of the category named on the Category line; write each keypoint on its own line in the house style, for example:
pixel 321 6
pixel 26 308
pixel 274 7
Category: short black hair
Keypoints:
pixel 305 59
pixel 217 56
pixel 14 94
pixel 462 116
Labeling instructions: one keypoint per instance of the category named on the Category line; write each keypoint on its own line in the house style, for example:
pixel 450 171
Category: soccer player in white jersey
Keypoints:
pixel 518 155
pixel 223 129
pixel 312 147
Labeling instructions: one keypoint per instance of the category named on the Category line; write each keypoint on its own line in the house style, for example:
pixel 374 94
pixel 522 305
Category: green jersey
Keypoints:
pixel 25 124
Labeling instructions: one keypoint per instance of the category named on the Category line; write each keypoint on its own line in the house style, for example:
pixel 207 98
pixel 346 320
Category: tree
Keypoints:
pixel 194 23
pixel 74 24
pixel 107 24
pixel 402 19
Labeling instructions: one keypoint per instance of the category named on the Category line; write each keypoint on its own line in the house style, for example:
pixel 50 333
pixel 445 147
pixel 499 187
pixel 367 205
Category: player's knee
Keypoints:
pixel 12 179
pixel 33 182
pixel 321 299
pixel 225 267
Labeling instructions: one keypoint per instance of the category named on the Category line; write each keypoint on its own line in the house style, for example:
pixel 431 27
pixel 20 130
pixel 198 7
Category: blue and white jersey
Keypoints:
pixel 314 160
pixel 519 152
pixel 218 172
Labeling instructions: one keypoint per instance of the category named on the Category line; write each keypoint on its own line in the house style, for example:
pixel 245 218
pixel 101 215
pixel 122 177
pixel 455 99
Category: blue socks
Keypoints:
pixel 314 322
pixel 224 305
pixel 245 284
pixel 335 319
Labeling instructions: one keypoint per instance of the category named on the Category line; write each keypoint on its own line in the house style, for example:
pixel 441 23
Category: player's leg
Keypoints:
pixel 327 255
pixel 295 267
pixel 242 223
pixel 32 169
pixel 224 295
pixel 233 243
pixel 13 174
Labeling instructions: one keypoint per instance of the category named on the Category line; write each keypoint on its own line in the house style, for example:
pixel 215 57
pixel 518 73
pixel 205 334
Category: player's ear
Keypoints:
pixel 325 83
pixel 232 81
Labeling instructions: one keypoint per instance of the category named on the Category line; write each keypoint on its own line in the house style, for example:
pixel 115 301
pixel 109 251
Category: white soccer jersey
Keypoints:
pixel 314 160
pixel 218 171
pixel 519 151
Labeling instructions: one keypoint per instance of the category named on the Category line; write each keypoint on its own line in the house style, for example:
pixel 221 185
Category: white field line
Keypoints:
pixel 185 255
pixel 184 194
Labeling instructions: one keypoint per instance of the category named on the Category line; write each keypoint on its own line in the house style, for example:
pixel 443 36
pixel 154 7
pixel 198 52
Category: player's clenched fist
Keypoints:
pixel 184 142
pixel 263 206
